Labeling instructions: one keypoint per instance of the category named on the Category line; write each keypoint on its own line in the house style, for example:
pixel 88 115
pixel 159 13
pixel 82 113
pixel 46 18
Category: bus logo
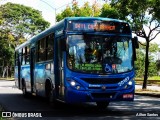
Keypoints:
pixel 103 87
pixel 6 114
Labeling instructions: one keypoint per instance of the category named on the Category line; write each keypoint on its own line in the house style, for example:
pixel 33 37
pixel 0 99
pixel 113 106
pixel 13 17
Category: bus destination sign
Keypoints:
pixel 93 26
pixel 104 26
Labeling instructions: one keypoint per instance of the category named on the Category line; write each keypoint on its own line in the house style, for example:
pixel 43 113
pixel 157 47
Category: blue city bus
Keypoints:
pixel 80 59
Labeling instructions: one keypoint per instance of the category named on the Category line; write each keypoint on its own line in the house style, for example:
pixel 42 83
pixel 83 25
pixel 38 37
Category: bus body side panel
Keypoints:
pixel 40 78
pixel 43 72
pixel 18 73
pixel 25 72
pixel 49 73
pixel 16 76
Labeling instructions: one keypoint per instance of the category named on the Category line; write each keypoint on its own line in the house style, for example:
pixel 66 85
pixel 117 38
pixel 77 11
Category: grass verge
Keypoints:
pixel 148 92
pixel 9 79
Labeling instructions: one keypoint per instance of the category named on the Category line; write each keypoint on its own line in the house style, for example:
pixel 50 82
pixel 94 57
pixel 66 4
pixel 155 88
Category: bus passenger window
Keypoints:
pixel 37 51
pixel 27 55
pixel 41 50
pixel 23 56
pixel 49 46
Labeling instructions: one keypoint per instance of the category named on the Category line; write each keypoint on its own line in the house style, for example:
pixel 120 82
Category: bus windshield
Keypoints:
pixel 99 54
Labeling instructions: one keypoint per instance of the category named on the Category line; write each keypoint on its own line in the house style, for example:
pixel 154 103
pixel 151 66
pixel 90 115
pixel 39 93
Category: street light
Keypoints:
pixel 55 9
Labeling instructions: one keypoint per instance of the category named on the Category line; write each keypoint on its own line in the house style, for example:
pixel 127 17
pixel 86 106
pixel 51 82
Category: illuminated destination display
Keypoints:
pixel 93 25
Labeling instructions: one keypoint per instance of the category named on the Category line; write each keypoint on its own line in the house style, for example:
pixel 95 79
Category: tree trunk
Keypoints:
pixel 7 72
pixel 4 72
pixel 146 65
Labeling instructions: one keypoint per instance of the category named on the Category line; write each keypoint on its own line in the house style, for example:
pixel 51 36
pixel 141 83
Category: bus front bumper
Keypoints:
pixel 75 96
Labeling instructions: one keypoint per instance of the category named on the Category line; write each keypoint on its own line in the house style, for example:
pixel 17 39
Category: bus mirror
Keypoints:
pixel 135 42
pixel 135 45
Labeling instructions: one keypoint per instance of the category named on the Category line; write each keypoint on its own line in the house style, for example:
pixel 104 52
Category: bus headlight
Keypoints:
pixel 130 82
pixel 74 84
pixel 128 85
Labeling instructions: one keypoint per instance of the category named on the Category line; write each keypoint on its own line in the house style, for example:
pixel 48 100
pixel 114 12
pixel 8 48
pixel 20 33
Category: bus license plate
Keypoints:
pixel 128 96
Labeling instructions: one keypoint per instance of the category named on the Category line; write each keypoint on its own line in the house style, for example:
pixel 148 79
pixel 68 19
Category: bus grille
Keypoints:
pixel 102 80
pixel 103 95
pixel 109 87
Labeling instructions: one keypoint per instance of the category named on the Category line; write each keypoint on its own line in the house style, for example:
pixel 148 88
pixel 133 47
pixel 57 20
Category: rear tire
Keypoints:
pixel 102 105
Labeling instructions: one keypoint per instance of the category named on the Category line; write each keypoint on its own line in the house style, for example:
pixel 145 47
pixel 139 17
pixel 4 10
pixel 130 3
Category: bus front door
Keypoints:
pixel 60 69
pixel 32 67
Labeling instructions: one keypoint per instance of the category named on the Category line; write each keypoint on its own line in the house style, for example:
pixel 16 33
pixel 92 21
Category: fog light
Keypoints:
pixel 126 86
pixel 78 87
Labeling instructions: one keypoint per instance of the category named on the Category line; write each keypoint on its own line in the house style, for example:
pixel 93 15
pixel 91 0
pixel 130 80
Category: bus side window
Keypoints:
pixel 37 51
pixel 41 50
pixel 27 55
pixel 49 46
pixel 23 56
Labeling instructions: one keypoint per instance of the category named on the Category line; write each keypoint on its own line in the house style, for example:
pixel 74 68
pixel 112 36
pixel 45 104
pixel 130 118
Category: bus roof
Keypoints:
pixel 93 18
pixel 60 24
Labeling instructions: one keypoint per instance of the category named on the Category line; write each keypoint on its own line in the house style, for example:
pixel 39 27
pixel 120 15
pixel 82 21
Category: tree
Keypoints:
pixel 96 9
pixel 85 10
pixel 17 23
pixel 6 56
pixel 21 21
pixel 110 12
pixel 75 11
pixel 141 13
pixel 153 68
pixel 66 13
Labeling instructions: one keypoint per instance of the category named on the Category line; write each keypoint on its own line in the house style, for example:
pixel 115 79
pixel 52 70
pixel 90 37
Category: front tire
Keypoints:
pixel 102 105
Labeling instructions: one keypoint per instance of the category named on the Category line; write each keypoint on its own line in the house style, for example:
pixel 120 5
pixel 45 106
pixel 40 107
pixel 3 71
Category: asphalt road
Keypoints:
pixel 12 100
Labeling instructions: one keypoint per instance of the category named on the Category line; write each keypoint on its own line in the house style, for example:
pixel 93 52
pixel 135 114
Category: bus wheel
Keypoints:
pixel 102 105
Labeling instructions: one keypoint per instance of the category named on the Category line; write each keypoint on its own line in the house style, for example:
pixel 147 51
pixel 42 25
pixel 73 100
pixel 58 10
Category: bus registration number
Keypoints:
pixel 128 96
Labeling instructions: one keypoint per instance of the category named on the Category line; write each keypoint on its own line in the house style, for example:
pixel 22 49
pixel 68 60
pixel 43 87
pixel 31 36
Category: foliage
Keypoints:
pixel 17 22
pixel 75 11
pixel 153 69
pixel 1 19
pixel 96 9
pixel 21 21
pixel 85 10
pixel 155 10
pixel 154 78
pixel 110 12
pixel 66 13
